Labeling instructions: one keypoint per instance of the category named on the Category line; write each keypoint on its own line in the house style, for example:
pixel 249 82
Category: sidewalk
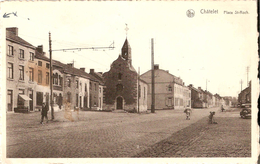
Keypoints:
pixel 231 137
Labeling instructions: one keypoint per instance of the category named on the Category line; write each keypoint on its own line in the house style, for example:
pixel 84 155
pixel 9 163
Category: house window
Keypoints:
pixel 95 86
pixel 47 77
pixel 68 97
pixel 10 50
pixel 169 88
pixel 77 100
pixel 77 84
pixel 10 100
pixel 39 63
pixel 55 78
pixel 21 54
pixel 39 98
pixel 30 74
pixel 39 76
pixel 69 82
pixel 10 70
pixel 31 56
pixel 60 80
pixel 21 72
pixel 99 89
pixel 20 100
pixel 139 91
pixel 90 85
pixel 47 65
pixel 144 92
pixel 85 87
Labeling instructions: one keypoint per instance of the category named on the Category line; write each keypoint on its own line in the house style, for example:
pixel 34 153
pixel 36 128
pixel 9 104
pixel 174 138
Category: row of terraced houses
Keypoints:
pixel 121 88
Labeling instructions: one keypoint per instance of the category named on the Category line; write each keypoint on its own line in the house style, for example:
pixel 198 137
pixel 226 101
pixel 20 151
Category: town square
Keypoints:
pixel 115 80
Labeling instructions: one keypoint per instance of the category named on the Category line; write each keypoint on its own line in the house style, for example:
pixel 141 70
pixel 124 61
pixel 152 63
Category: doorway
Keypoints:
pixel 119 103
pixel 31 101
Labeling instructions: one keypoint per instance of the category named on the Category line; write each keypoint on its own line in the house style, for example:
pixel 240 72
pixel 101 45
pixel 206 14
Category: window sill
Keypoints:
pixel 21 81
pixel 10 79
pixel 30 82
pixel 32 61
pixel 12 56
pixel 21 59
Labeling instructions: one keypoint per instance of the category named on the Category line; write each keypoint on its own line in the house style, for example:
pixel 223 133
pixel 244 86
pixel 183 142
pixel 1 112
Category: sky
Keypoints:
pixel 211 51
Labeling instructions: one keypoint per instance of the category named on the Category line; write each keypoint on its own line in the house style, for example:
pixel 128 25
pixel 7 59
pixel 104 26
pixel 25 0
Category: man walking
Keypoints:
pixel 44 112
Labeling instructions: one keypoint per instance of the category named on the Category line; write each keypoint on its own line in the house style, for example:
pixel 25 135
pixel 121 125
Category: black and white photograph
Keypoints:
pixel 129 82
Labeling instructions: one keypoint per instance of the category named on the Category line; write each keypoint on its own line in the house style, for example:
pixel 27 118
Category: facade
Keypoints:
pixel 245 95
pixel 169 89
pixel 20 80
pixel 196 97
pixel 41 68
pixel 123 90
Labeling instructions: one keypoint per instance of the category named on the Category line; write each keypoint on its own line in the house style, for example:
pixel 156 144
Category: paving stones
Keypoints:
pixel 97 134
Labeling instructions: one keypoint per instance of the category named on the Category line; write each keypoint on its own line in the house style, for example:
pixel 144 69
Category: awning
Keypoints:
pixel 25 97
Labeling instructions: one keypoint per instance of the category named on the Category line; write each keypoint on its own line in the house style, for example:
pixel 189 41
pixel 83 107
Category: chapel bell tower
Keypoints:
pixel 126 52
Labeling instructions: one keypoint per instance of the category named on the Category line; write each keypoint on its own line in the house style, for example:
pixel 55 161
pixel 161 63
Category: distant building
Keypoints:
pixel 123 90
pixel 170 93
pixel 196 97
pixel 245 95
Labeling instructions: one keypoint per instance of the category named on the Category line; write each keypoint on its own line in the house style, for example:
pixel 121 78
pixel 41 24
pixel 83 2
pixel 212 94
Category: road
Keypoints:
pixel 109 134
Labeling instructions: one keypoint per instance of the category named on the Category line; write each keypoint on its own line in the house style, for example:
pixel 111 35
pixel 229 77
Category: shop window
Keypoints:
pixel 39 98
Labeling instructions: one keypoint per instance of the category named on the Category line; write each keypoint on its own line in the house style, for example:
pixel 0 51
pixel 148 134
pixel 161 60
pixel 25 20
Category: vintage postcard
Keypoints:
pixel 129 82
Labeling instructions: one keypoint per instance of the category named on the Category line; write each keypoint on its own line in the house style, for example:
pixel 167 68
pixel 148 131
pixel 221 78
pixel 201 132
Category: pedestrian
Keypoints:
pixel 222 108
pixel 44 112
pixel 211 119
pixel 188 112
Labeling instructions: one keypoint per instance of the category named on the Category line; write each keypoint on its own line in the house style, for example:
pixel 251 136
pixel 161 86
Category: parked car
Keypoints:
pixel 246 111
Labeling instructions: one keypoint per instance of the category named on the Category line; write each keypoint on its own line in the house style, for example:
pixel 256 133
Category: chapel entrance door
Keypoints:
pixel 119 103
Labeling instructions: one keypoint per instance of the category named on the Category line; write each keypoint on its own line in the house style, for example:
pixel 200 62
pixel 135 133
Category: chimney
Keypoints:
pixel 70 64
pixel 199 88
pixel 82 69
pixel 190 85
pixel 167 71
pixel 14 30
pixel 100 73
pixel 156 66
pixel 40 49
pixel 92 71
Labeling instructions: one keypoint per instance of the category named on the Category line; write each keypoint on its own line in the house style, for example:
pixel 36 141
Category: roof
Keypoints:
pixel 14 38
pixel 38 55
pixel 74 71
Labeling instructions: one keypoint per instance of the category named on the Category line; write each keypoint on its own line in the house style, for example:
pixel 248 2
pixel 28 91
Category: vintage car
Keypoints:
pixel 246 111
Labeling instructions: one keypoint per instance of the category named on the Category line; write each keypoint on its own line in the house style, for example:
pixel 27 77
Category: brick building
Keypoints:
pixel 123 90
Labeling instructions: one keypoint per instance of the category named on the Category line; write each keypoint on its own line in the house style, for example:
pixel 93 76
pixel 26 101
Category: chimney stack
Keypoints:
pixel 70 64
pixel 82 69
pixel 156 66
pixel 40 49
pixel 92 71
pixel 14 30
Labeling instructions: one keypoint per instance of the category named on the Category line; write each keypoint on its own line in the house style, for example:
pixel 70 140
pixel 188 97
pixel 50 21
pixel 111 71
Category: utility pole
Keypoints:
pixel 64 50
pixel 241 82
pixel 139 90
pixel 153 96
pixel 51 88
pixel 247 71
